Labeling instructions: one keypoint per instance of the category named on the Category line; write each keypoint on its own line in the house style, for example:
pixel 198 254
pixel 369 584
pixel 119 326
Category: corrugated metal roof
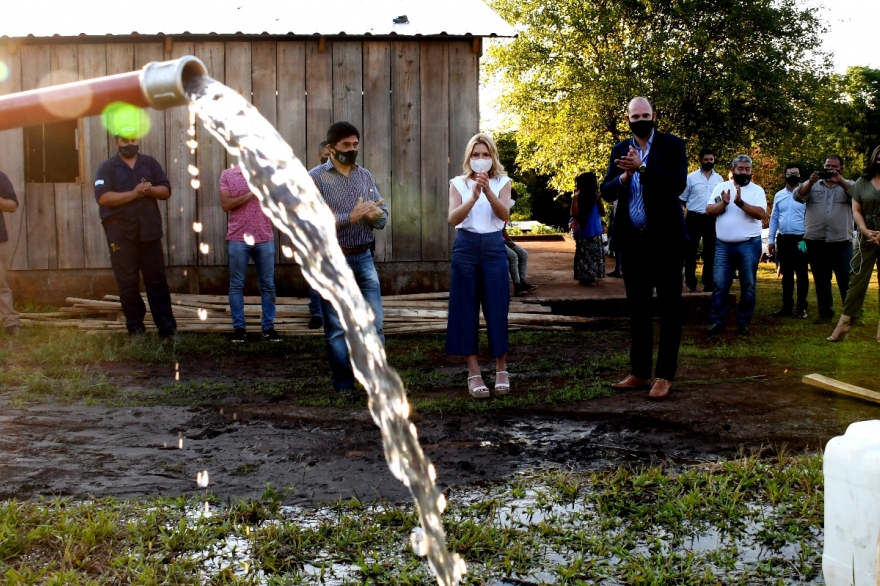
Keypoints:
pixel 49 18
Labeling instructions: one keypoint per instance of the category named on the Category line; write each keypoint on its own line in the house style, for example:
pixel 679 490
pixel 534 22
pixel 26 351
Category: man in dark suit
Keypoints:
pixel 646 175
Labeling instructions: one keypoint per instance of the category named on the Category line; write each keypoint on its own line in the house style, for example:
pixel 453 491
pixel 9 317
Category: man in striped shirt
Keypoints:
pixel 352 196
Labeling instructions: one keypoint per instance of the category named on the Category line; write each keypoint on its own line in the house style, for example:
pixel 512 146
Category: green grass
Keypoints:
pixel 632 526
pixel 66 366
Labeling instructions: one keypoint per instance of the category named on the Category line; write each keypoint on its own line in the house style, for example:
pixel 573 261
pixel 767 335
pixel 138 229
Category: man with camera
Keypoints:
pixel 828 232
pixel 787 220
pixel 700 185
pixel 8 204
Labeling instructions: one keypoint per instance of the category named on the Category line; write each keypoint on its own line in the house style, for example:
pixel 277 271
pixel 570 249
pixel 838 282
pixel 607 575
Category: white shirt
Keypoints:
pixel 481 219
pixel 734 225
pixel 698 190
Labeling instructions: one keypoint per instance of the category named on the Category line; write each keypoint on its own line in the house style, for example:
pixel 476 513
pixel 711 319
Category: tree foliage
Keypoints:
pixel 736 75
pixel 846 120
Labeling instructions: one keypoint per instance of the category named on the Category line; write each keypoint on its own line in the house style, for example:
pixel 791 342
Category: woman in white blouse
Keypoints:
pixel 479 204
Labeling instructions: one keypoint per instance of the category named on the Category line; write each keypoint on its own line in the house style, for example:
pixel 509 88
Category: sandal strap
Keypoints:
pixel 475 376
pixel 501 372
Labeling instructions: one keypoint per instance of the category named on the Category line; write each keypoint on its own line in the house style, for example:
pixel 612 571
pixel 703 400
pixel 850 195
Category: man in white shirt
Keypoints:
pixel 787 220
pixel 700 185
pixel 739 207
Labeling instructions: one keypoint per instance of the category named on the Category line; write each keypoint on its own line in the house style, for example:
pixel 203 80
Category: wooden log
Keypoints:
pixel 66 323
pixel 830 384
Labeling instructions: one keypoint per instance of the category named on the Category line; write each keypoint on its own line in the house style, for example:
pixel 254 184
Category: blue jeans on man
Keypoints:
pixel 729 257
pixel 263 254
pixel 361 264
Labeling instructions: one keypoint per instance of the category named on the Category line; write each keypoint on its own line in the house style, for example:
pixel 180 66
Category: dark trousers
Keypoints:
pixel 699 226
pixel 792 263
pixel 130 259
pixel 649 266
pixel 478 277
pixel 827 258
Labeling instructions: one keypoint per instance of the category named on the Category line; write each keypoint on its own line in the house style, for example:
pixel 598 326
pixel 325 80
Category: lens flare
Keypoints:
pixel 125 119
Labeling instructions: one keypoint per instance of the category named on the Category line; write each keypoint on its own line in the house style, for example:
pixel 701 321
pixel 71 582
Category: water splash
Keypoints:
pixel 289 197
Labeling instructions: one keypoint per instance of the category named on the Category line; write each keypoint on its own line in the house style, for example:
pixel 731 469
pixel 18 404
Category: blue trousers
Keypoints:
pixel 367 279
pixel 263 254
pixel 314 302
pixel 744 257
pixel 479 277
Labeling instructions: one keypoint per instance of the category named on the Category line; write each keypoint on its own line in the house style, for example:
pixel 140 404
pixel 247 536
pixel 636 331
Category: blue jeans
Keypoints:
pixel 742 256
pixel 367 279
pixel 314 302
pixel 479 277
pixel 264 259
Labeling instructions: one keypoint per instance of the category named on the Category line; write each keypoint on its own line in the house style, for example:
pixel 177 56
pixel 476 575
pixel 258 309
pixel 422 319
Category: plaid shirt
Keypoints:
pixel 342 193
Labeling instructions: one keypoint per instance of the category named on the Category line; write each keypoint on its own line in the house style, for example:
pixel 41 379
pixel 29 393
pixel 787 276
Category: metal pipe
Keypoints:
pixel 157 85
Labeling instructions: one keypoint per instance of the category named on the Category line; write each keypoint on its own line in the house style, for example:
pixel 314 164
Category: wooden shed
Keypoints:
pixel 405 72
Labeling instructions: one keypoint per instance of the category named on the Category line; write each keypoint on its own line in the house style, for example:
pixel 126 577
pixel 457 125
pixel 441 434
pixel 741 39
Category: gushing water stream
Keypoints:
pixel 289 197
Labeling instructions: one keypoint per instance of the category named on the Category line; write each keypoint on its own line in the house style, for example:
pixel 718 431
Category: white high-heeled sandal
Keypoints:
pixel 480 392
pixel 502 388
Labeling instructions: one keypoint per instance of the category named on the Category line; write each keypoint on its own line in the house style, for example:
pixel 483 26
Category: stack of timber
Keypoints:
pixel 404 314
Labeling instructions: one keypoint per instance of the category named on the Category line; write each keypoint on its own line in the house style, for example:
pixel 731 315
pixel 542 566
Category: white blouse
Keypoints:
pixel 481 219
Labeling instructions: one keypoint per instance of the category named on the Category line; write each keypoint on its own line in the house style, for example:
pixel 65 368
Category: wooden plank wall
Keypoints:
pixel 415 102
pixel 12 164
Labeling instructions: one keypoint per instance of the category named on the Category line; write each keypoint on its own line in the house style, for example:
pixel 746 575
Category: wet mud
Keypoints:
pixel 331 453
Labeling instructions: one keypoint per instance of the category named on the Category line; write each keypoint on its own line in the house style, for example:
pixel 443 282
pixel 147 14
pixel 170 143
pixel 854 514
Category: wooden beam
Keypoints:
pixel 168 41
pixel 830 384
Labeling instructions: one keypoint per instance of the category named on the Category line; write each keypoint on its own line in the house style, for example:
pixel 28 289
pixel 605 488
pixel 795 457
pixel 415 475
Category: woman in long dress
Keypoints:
pixel 587 208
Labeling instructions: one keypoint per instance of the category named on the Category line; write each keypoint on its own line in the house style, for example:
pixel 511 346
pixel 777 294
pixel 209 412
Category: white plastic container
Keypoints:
pixel 852 506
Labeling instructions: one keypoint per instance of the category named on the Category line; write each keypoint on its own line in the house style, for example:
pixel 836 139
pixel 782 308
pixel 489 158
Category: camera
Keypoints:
pixel 825 174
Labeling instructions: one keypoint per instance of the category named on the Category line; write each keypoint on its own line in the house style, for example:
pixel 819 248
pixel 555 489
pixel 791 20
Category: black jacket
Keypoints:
pixel 663 181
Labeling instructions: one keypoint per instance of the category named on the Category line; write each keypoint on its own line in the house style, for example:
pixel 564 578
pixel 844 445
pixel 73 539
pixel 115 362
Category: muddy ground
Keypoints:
pixel 327 453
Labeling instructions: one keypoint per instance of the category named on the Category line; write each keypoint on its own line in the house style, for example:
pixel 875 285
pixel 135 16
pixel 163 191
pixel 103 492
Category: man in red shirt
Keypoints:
pixel 248 236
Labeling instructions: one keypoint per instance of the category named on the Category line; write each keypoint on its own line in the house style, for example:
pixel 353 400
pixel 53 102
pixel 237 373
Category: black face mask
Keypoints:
pixel 707 166
pixel 742 179
pixel 793 180
pixel 642 128
pixel 874 169
pixel 128 151
pixel 346 158
pixel 323 160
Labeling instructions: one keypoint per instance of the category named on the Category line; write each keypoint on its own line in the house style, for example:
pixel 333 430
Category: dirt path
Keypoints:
pixel 336 453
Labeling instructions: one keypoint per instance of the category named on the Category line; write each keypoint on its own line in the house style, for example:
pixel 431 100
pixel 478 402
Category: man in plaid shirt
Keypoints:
pixel 353 198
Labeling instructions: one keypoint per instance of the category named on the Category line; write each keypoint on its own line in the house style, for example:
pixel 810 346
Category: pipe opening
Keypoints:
pixel 164 84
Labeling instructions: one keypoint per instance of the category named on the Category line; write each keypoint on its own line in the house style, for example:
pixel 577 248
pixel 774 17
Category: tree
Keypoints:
pixel 846 120
pixel 544 203
pixel 731 74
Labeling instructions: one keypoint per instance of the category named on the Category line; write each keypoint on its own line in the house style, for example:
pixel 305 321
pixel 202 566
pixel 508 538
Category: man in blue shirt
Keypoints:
pixel 127 187
pixel 700 185
pixel 787 219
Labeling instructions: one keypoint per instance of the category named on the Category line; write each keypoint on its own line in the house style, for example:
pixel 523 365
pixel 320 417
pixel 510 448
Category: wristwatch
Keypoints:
pixel 642 168
pixel 740 203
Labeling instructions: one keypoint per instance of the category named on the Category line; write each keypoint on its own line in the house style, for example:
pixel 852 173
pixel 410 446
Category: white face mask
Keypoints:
pixel 481 165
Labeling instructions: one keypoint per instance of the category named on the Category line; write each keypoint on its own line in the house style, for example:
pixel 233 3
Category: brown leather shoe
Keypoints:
pixel 661 389
pixel 631 382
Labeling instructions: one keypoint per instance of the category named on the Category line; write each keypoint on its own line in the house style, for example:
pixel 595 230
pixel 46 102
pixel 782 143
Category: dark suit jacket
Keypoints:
pixel 663 181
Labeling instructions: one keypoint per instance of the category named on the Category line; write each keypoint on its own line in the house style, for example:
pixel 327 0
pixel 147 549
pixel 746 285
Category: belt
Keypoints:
pixel 357 250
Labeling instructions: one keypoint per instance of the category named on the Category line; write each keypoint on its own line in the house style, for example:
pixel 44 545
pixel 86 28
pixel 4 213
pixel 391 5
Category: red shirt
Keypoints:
pixel 247 219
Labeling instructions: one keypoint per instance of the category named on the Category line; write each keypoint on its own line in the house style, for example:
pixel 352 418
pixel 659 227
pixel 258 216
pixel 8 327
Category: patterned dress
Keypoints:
pixel 589 255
